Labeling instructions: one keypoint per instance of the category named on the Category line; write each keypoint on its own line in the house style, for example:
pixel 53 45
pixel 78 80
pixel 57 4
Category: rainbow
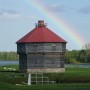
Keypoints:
pixel 58 22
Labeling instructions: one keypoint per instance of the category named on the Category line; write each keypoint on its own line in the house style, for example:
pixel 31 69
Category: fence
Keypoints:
pixel 38 78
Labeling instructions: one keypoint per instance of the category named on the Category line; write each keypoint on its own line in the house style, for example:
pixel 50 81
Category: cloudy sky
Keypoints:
pixel 18 17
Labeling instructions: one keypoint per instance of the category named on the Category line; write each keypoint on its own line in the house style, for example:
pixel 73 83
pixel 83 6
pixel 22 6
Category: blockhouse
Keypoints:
pixel 41 50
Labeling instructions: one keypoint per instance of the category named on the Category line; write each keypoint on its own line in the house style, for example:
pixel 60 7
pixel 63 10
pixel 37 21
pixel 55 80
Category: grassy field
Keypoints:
pixel 72 75
pixel 5 86
pixel 72 79
pixel 9 66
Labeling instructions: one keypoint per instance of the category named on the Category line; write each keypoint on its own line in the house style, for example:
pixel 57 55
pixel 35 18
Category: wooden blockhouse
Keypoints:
pixel 41 50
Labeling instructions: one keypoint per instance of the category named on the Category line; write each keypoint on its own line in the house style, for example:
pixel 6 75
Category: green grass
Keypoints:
pixel 9 66
pixel 72 79
pixel 5 86
pixel 71 75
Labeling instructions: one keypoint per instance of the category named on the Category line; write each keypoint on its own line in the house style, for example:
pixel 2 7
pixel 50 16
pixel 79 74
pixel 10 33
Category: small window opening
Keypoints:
pixel 53 47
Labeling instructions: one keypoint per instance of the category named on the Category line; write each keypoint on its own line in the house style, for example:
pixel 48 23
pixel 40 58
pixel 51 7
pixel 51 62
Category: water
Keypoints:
pixel 4 63
pixel 78 65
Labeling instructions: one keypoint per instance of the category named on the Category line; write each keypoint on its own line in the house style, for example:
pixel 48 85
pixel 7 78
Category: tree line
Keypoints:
pixel 77 56
pixel 74 56
pixel 9 56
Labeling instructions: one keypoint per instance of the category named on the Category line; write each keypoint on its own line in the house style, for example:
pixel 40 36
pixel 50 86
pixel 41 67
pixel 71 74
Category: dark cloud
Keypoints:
pixel 85 10
pixel 55 8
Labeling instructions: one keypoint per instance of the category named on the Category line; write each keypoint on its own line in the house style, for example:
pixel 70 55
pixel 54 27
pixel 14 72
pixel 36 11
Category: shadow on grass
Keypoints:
pixel 10 71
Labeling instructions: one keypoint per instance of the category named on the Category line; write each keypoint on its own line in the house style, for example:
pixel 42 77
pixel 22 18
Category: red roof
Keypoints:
pixel 41 34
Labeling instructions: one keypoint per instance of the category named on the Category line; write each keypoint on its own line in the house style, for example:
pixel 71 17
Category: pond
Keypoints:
pixel 4 63
pixel 83 65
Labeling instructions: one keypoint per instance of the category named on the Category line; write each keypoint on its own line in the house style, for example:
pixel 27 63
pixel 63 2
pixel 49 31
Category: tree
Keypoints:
pixel 86 47
pixel 8 56
pixel 82 56
pixel 72 56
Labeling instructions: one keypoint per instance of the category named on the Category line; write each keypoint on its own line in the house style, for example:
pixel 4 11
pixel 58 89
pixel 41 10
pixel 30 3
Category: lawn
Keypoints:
pixel 5 86
pixel 72 79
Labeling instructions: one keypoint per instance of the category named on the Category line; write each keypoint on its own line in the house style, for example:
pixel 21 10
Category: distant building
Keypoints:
pixel 41 50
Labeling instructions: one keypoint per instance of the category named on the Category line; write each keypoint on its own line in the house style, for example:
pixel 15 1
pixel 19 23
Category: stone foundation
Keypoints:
pixel 46 70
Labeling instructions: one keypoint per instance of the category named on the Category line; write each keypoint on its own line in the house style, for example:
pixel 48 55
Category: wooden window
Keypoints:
pixel 35 47
pixel 53 48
